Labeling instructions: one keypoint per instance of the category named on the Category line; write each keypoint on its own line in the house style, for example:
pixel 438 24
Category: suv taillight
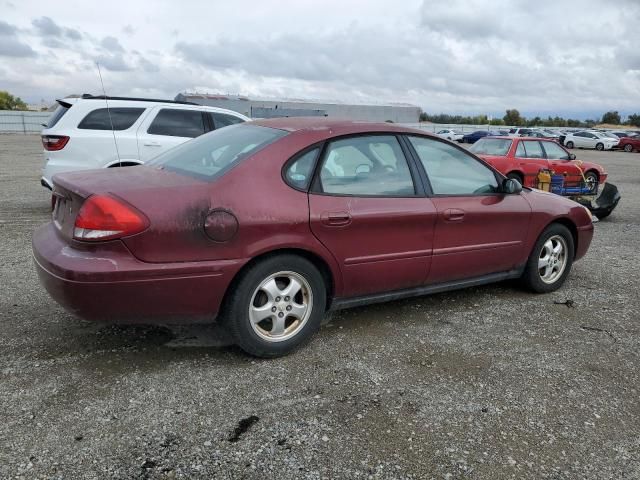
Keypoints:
pixel 103 217
pixel 53 143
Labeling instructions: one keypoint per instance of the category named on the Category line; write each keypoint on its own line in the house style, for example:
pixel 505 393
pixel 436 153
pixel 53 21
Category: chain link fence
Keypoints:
pixel 12 121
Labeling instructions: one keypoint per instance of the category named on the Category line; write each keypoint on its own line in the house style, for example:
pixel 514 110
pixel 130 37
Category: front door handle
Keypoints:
pixel 154 144
pixel 453 215
pixel 335 219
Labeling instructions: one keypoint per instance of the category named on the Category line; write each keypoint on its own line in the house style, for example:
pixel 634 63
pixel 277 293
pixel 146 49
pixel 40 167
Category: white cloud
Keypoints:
pixel 471 56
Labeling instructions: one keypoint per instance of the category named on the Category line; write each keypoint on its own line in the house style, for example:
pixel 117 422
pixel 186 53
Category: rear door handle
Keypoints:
pixel 453 215
pixel 154 144
pixel 335 219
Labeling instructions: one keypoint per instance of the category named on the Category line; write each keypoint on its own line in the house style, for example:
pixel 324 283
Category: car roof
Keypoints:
pixel 334 126
pixel 146 103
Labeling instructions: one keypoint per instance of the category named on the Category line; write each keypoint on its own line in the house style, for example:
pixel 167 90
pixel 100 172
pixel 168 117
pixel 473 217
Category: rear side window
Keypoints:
pixel 366 166
pixel 122 118
pixel 533 148
pixel 210 156
pixel 298 173
pixel 220 120
pixel 57 115
pixel 177 123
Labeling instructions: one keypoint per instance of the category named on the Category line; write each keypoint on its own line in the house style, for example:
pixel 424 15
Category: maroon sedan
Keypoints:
pixel 630 143
pixel 270 224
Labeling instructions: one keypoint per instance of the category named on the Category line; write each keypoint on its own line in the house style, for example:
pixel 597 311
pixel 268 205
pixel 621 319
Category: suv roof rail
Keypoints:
pixel 88 96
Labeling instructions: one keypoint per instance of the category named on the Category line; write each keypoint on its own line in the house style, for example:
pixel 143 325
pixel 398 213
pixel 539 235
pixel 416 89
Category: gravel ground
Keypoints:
pixel 490 382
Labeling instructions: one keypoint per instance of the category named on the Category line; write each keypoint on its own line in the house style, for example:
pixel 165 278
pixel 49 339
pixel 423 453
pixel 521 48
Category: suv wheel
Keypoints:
pixel 276 306
pixel 550 261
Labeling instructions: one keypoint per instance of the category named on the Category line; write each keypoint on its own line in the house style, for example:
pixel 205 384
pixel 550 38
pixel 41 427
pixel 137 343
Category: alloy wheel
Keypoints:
pixel 552 260
pixel 280 306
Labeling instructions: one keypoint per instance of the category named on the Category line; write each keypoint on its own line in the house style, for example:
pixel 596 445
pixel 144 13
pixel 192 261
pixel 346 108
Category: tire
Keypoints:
pixel 599 147
pixel 628 148
pixel 266 283
pixel 534 274
pixel 569 144
pixel 516 176
pixel 592 179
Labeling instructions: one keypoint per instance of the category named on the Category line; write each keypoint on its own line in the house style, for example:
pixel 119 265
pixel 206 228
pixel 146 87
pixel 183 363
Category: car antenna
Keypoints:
pixel 106 100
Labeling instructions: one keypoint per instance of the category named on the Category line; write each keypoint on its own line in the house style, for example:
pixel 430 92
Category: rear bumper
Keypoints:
pixel 107 283
pixel 585 235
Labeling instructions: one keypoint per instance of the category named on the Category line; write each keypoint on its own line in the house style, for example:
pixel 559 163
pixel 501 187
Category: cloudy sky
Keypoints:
pixel 579 57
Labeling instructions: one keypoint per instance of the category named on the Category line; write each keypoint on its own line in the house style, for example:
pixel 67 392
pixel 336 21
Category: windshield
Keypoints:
pixel 491 146
pixel 212 154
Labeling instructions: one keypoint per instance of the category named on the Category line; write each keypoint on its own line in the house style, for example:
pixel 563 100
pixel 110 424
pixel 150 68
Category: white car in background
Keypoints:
pixel 590 139
pixel 79 133
pixel 449 134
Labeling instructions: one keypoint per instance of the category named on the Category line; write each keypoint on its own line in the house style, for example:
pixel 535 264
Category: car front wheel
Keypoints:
pixel 599 147
pixel 276 306
pixel 628 147
pixel 569 144
pixel 550 261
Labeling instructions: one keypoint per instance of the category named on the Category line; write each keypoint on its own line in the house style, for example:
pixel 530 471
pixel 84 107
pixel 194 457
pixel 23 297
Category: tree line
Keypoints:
pixel 513 117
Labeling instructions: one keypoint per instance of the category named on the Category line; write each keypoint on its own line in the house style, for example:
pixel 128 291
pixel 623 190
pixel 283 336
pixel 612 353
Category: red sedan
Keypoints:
pixel 523 158
pixel 270 224
pixel 629 144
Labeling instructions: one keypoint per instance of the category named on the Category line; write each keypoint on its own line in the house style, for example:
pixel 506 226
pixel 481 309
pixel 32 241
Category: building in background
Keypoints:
pixel 272 108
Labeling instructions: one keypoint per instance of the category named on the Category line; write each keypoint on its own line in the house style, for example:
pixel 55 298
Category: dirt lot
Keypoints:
pixel 491 382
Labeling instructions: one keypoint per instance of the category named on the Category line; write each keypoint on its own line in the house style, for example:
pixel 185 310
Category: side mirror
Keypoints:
pixel 511 186
pixel 572 156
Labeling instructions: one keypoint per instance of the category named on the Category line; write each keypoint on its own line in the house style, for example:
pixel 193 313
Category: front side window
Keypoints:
pixel 366 166
pixel 298 173
pixel 220 120
pixel 211 155
pixel 555 151
pixel 452 171
pixel 173 122
pixel 103 118
pixel 533 149
pixel 491 146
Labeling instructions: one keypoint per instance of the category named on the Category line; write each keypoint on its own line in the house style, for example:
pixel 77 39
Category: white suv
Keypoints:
pixel 79 133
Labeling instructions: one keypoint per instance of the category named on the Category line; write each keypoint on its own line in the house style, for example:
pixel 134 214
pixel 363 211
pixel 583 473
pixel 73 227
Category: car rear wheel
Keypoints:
pixel 276 306
pixel 569 144
pixel 599 146
pixel 550 261
pixel 628 147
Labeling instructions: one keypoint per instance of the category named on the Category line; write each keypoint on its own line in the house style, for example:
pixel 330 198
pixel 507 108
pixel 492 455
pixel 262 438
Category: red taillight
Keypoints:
pixel 102 217
pixel 53 143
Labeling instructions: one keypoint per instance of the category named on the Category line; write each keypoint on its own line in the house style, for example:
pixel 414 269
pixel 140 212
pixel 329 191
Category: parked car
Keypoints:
pixel 589 139
pixel 477 135
pixel 449 134
pixel 621 134
pixel 270 224
pixel 79 134
pixel 519 132
pixel 522 158
pixel 630 143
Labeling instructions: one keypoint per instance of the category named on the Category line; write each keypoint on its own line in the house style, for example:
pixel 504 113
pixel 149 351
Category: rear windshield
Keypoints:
pixel 211 155
pixel 57 114
pixel 491 146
